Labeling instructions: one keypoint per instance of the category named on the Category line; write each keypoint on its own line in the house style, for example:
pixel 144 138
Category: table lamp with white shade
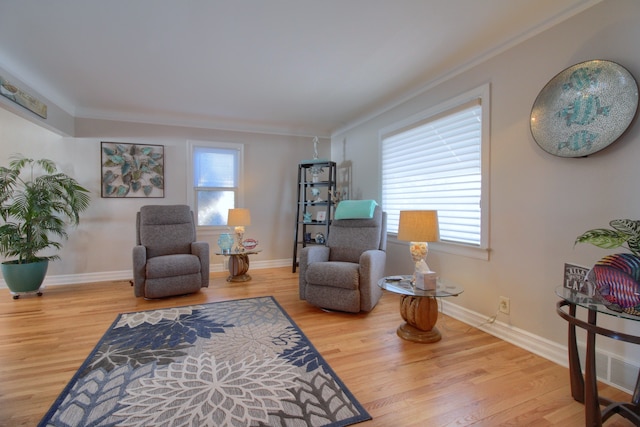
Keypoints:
pixel 239 218
pixel 418 228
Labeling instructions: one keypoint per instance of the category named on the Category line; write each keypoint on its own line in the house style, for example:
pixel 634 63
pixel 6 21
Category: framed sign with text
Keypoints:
pixel 575 278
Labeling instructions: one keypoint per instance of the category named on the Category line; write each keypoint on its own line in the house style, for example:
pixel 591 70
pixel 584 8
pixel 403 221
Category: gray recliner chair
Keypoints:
pixel 167 259
pixel 344 274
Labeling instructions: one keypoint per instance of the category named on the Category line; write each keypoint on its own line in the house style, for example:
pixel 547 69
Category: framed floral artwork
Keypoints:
pixel 132 170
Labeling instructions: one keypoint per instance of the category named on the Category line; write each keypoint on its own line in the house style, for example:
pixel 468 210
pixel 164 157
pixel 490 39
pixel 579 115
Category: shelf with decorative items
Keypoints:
pixel 316 200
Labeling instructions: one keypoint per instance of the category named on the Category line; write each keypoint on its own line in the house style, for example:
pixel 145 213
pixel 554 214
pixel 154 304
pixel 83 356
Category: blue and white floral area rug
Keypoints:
pixel 233 363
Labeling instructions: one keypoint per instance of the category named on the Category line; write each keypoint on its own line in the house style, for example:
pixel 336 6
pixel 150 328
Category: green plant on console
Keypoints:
pixel 623 232
pixel 36 204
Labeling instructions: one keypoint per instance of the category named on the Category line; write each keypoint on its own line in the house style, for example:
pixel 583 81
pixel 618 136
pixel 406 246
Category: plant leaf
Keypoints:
pixel 628 227
pixel 634 245
pixel 602 238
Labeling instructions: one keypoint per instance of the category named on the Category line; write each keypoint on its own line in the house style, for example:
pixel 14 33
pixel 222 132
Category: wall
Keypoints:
pixel 57 120
pixel 539 203
pixel 100 248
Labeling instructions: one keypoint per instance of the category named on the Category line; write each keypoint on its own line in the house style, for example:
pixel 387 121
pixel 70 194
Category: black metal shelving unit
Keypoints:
pixel 321 176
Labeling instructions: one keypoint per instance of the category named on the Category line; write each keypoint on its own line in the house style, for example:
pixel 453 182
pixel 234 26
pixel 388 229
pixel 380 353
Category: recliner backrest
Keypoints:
pixel 165 229
pixel 349 238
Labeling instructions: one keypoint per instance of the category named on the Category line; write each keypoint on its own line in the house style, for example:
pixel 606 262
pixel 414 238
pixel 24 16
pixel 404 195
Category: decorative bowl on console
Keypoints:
pixel 249 244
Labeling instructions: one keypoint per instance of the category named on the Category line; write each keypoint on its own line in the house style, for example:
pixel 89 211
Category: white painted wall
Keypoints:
pixel 57 120
pixel 100 247
pixel 539 203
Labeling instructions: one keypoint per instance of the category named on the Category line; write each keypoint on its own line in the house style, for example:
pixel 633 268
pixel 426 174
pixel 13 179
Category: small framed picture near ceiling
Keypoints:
pixel 132 170
pixel 22 98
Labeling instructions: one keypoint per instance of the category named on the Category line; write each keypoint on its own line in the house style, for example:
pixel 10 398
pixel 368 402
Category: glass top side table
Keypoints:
pixel 239 264
pixel 419 308
pixel 585 389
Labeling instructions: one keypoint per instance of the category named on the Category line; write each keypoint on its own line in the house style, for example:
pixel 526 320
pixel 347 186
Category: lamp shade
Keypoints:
pixel 418 226
pixel 239 216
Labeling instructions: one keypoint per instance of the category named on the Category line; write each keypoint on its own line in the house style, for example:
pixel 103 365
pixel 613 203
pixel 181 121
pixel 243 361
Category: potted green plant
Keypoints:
pixel 623 232
pixel 36 204
pixel 617 277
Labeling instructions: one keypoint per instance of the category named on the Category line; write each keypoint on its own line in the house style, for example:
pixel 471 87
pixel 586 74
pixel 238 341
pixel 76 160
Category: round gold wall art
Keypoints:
pixel 584 108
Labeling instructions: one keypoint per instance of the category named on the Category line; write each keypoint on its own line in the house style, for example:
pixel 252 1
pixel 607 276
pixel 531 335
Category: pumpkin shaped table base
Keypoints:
pixel 418 307
pixel 420 315
pixel 238 265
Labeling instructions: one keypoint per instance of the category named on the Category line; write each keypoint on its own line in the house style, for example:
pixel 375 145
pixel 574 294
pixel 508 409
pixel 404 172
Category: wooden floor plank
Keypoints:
pixel 467 378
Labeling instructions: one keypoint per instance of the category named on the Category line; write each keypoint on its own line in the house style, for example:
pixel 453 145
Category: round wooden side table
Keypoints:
pixel 419 308
pixel 238 265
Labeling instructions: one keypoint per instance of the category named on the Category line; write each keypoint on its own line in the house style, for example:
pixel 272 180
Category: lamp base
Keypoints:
pixel 239 238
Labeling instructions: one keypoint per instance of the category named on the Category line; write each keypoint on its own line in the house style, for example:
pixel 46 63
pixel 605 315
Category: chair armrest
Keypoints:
pixel 309 255
pixel 201 250
pixel 139 263
pixel 372 269
pixel 373 260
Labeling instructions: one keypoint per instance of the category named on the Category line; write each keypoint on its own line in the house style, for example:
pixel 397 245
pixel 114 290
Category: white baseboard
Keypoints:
pixel 516 336
pixel 73 279
pixel 105 276
pixel 612 369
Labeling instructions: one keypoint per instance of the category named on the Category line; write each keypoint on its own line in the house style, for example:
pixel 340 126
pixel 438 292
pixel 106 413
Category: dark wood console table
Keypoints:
pixel 585 389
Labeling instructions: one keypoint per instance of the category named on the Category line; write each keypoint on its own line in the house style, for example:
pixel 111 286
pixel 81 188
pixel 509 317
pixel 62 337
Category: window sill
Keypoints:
pixel 212 231
pixel 450 248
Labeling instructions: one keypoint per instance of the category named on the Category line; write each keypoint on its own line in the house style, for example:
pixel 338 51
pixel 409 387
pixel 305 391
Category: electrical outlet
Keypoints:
pixel 504 305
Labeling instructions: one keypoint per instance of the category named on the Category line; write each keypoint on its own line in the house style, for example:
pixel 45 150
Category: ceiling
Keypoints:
pixel 298 67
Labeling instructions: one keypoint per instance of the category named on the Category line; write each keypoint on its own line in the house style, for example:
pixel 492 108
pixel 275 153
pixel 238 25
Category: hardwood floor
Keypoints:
pixel 467 378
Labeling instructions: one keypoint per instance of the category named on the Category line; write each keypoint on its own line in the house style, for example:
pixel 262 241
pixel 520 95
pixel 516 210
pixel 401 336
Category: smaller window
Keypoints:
pixel 215 181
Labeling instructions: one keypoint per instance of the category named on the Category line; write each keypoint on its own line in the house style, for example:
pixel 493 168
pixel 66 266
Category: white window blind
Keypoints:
pixel 216 181
pixel 436 164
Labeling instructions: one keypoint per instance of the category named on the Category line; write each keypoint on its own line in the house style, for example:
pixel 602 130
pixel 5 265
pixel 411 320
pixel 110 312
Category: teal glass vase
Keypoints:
pixel 225 241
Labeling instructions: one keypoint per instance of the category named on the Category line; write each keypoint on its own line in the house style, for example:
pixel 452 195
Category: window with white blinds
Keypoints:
pixel 435 163
pixel 215 180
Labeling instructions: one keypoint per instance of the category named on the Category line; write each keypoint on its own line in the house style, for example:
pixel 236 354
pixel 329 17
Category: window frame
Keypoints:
pixel 482 93
pixel 192 189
